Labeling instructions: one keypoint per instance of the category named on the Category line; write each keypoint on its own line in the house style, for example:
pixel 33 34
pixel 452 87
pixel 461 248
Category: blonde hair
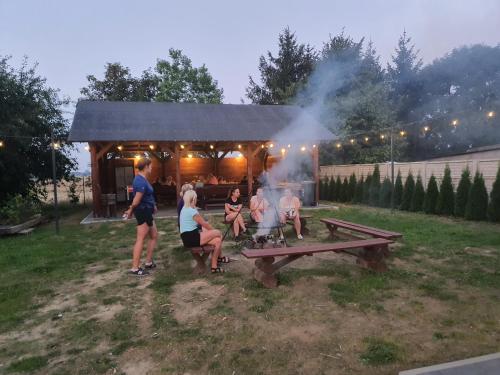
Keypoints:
pixel 185 188
pixel 189 198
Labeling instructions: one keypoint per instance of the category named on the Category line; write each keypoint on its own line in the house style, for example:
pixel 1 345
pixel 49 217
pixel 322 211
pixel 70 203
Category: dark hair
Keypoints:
pixel 232 190
pixel 143 163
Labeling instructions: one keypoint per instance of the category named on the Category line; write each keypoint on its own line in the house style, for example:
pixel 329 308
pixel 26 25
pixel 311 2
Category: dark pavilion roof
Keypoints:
pixel 154 121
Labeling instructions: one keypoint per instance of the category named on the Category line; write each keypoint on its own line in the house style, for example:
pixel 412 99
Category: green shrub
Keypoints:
pixel 352 187
pixel 19 209
pixel 338 184
pixel 431 196
pixel 494 206
pixel 408 190
pixel 417 199
pixel 358 193
pixel 344 191
pixel 375 187
pixel 385 193
pixel 446 200
pixel 366 189
pixel 73 195
pixel 462 193
pixel 398 190
pixel 321 187
pixel 477 202
pixel 331 189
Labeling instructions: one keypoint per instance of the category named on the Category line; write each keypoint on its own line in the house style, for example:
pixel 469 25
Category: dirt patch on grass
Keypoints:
pixel 135 362
pixel 193 299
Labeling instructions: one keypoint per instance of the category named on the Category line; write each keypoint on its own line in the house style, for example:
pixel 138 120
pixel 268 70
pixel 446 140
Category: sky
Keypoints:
pixel 70 39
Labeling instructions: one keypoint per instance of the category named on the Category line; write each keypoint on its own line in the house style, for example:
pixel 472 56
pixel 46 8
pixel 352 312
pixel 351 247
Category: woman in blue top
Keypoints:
pixel 192 237
pixel 143 206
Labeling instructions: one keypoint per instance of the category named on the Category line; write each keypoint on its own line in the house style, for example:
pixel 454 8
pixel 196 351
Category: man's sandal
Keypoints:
pixel 218 270
pixel 223 260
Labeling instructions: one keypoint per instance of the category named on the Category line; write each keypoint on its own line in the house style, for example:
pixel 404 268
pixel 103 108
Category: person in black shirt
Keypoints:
pixel 233 214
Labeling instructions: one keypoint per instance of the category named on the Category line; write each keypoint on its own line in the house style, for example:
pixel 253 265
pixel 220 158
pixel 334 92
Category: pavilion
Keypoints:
pixel 183 140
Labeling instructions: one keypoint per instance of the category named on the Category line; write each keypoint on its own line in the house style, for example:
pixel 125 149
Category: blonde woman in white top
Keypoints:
pixel 289 210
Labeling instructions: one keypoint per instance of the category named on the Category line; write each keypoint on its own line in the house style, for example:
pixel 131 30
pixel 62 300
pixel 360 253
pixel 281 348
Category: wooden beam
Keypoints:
pixel 96 185
pixel 103 150
pixel 249 155
pixel 315 163
pixel 177 155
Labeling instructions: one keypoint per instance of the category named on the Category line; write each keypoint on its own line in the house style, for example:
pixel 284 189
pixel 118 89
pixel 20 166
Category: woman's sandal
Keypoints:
pixel 223 260
pixel 218 270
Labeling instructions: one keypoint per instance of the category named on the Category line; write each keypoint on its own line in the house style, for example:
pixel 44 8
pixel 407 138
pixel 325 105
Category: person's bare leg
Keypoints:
pixel 153 239
pixel 212 237
pixel 216 254
pixel 142 231
pixel 241 221
pixel 236 227
pixel 298 228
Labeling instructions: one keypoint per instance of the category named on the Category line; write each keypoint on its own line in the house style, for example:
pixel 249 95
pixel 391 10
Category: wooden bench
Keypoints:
pixel 200 254
pixel 334 224
pixel 372 254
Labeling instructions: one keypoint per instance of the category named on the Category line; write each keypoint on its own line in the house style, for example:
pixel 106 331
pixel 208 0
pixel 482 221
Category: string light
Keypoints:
pixel 402 133
pixel 454 122
pixel 491 114
pixel 182 147
pixel 87 148
pixel 1 143
pixel 56 145
pixel 190 156
pixel 289 145
pixel 137 156
pixel 338 145
pixel 382 136
pixel 352 141
pixel 239 146
pixel 303 148
pixel 151 147
pixel 426 129
pixel 271 145
pixel 283 151
pixel 314 146
pixel 120 147
pixel 261 146
pixel 211 147
pixel 367 139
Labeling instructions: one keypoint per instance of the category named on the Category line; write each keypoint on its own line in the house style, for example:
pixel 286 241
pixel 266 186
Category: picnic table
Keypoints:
pixel 334 224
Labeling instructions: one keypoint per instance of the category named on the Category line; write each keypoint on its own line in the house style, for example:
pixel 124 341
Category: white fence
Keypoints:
pixel 488 168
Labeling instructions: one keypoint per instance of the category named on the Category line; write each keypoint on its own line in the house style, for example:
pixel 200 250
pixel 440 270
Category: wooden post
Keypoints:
pixel 249 170
pixel 315 163
pixel 177 152
pixel 96 184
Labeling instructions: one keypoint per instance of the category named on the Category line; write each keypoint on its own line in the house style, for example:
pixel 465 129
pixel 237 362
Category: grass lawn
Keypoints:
pixel 67 305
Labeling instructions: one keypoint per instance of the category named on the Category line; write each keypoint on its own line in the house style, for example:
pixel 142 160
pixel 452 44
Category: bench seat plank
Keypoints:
pixel 311 249
pixel 375 232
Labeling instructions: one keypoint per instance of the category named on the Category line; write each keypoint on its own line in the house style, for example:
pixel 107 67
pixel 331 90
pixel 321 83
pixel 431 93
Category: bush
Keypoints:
pixel 431 197
pixel 446 200
pixel 494 206
pixel 366 189
pixel 375 187
pixel 73 195
pixel 358 193
pixel 385 193
pixel 331 189
pixel 323 188
pixel 477 202
pixel 18 209
pixel 408 190
pixel 352 187
pixel 462 193
pixel 344 193
pixel 417 199
pixel 398 190
pixel 338 189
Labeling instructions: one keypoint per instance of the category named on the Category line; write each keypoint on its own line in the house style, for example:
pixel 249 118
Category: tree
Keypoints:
pixel 446 200
pixel 431 196
pixel 282 76
pixel 29 111
pixel 366 189
pixel 352 186
pixel 417 199
pixel 462 193
pixel 494 206
pixel 119 85
pixel 477 202
pixel 385 193
pixel 408 190
pixel 179 81
pixel 323 188
pixel 358 193
pixel 398 190
pixel 375 187
pixel 332 189
pixel 345 191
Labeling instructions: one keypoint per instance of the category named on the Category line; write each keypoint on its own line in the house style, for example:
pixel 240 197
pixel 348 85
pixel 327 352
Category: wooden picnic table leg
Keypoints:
pixel 373 258
pixel 201 266
pixel 264 272
pixel 332 229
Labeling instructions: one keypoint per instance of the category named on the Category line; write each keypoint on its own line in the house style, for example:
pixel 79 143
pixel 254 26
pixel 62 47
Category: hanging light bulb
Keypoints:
pixel 1 144
pixel 283 151
pixel 303 148
pixel 261 146
pixel 211 147
pixel 271 145
pixel 367 139
pixel 491 114
pixel 87 148
pixel 182 147
pixel 120 147
pixel 137 156
pixel 314 146
pixel 382 136
pixel 190 156
pixel 426 129
pixel 289 145
pixel 151 147
pixel 454 122
pixel 402 133
pixel 338 145
pixel 352 141
pixel 239 146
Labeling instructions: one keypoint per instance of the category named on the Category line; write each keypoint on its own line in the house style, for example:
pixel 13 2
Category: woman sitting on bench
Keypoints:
pixel 191 235
pixel 232 208
pixel 258 206
pixel 289 210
